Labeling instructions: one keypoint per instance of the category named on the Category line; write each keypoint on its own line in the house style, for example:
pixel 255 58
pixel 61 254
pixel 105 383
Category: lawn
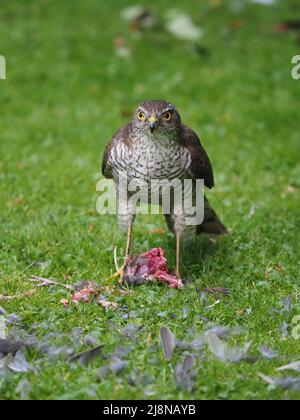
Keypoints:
pixel 75 73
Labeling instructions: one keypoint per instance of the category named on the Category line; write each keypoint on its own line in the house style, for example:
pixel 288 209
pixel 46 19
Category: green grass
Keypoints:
pixel 66 93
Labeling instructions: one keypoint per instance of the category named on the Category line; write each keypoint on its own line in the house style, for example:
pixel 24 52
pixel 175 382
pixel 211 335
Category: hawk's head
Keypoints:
pixel 157 116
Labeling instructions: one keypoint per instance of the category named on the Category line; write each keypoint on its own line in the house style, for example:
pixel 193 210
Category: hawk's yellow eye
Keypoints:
pixel 141 116
pixel 167 116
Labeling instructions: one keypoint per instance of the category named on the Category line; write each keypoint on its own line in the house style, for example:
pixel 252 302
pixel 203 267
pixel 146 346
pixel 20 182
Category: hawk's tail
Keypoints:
pixel 211 225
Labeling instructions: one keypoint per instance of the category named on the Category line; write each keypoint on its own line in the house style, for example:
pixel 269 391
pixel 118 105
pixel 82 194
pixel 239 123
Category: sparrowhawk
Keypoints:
pixel 156 145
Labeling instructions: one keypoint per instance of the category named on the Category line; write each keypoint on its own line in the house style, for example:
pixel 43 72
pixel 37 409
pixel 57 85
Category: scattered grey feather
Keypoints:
pixel 75 336
pixel 136 378
pixel 18 363
pixel 122 352
pixel 8 346
pixel 102 373
pixel 130 331
pixel 292 366
pixel 217 347
pixel 91 340
pixel 163 314
pixel 13 319
pixel 84 284
pixel 284 383
pixel 227 354
pixel 184 373
pixel 87 356
pixel 203 298
pixel 2 311
pixel 284 330
pixel 63 352
pixel 183 345
pixel 117 365
pixel 185 312
pixel 197 344
pixel 23 389
pixel 225 332
pixel 287 304
pixel 268 353
pixel 167 342
pixel 237 354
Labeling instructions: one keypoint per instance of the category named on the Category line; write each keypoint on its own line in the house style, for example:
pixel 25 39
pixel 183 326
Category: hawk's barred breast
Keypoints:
pixel 157 146
pixel 147 159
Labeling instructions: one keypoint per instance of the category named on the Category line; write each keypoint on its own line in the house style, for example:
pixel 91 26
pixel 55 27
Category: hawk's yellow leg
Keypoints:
pixel 121 271
pixel 177 272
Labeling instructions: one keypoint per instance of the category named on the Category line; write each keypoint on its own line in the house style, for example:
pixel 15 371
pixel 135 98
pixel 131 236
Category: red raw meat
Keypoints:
pixel 83 295
pixel 150 266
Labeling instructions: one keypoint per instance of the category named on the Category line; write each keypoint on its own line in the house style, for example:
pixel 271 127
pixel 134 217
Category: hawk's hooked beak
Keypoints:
pixel 152 123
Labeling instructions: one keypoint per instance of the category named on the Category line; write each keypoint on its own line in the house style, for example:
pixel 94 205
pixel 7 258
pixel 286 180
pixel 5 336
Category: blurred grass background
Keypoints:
pixel 69 87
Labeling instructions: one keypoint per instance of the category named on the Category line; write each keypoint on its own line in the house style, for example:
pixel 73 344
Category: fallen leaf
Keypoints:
pixel 19 201
pixel 235 24
pixel 278 267
pixel 91 227
pixel 240 312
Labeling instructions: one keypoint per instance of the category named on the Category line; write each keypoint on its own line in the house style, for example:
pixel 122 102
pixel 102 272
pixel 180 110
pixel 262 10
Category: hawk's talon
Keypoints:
pixel 120 273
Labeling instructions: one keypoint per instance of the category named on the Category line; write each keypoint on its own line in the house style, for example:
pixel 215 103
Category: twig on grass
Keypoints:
pixel 116 259
pixel 43 282
pixel 29 293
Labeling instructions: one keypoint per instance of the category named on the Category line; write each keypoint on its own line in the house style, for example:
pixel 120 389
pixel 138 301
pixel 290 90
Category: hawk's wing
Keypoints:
pixel 120 137
pixel 200 167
